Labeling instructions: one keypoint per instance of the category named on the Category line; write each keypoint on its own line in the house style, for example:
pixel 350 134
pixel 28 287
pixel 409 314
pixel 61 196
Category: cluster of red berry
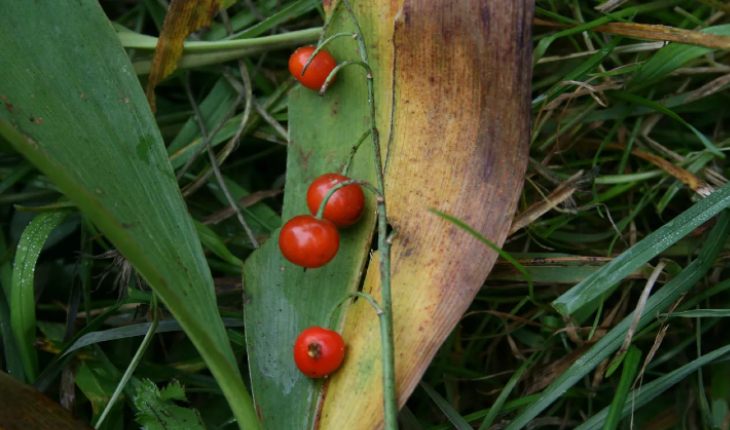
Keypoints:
pixel 312 241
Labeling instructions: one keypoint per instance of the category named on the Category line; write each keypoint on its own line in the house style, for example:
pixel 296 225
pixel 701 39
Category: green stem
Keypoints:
pixel 346 167
pixel 390 403
pixel 321 45
pixel 331 191
pixel 132 365
pixel 331 77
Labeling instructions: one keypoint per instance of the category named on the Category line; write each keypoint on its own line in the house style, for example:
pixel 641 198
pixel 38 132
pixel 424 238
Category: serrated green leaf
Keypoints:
pixel 156 409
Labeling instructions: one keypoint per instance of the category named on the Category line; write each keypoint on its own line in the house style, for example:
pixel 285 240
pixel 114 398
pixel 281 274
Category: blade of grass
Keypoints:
pixel 600 282
pixel 545 43
pixel 22 292
pixel 152 329
pixel 284 14
pixel 634 99
pixel 502 253
pixel 631 363
pixel 655 388
pixel 454 417
pixel 13 360
pixel 672 57
pixel 612 340
pixel 498 404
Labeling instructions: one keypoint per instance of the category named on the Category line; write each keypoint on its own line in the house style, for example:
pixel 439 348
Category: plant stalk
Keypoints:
pixel 390 403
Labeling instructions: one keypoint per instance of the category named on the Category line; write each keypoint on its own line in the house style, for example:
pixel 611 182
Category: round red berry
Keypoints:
pixel 344 207
pixel 317 71
pixel 309 242
pixel 318 352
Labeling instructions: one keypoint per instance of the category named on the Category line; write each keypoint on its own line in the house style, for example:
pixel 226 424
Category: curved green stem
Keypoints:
pixel 133 364
pixel 321 45
pixel 342 65
pixel 331 191
pixel 353 151
pixel 390 402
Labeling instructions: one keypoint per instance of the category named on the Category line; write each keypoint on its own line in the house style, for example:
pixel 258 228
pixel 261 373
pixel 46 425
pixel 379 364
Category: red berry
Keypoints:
pixel 318 352
pixel 309 242
pixel 344 207
pixel 318 69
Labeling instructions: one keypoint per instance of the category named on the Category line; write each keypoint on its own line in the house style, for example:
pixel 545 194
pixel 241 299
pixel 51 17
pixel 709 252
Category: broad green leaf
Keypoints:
pixel 600 282
pixel 455 141
pixel 440 136
pixel 22 292
pixel 283 299
pixel 97 383
pixel 611 341
pixel 76 110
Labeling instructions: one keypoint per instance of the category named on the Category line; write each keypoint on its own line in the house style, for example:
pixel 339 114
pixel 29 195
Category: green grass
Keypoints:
pixel 536 344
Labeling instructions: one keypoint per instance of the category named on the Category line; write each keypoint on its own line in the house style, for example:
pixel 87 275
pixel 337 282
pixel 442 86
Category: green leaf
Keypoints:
pixel 97 381
pixel 452 414
pixel 13 359
pixel 612 340
pixel 700 313
pixel 75 109
pixel 127 331
pixel 648 392
pixel 672 57
pixel 212 241
pixel 600 282
pixel 156 409
pixel 284 14
pixel 22 292
pixel 632 98
pixel 545 43
pixel 631 363
pixel 283 299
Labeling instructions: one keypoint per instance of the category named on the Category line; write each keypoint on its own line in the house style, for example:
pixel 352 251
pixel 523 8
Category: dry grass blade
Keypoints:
pixel 654 32
pixel 243 202
pixel 609 5
pixel 665 33
pixel 562 193
pixel 683 175
pixel 640 305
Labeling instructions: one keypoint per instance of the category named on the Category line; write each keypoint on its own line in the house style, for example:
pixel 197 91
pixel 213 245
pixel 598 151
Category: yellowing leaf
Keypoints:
pixel 182 18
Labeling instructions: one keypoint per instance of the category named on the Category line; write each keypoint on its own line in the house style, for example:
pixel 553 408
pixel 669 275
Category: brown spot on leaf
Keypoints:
pixel 9 106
